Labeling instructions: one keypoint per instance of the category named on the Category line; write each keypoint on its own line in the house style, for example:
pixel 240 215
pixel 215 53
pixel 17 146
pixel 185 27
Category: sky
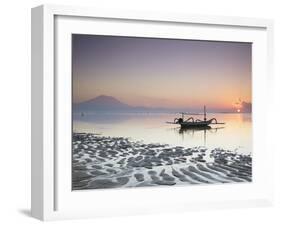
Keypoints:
pixel 170 73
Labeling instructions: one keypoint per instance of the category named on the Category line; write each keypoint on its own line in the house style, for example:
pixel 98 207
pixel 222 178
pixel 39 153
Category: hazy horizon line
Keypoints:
pixel 188 109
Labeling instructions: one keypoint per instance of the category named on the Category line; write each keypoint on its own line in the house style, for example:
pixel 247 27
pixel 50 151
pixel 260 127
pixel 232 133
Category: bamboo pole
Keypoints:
pixel 205 113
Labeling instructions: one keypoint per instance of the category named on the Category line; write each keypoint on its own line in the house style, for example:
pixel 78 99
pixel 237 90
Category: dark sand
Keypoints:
pixel 115 162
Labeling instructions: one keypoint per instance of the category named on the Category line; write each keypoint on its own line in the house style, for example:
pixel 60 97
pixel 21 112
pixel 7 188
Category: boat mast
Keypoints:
pixel 205 113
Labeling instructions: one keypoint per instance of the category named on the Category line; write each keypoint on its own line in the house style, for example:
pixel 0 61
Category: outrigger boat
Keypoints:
pixel 194 123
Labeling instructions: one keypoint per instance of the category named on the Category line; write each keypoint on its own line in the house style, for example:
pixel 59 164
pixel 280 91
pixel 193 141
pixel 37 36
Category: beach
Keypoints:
pixel 100 162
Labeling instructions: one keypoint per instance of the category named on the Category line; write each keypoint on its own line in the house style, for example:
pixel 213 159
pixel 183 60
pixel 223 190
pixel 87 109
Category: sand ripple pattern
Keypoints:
pixel 101 162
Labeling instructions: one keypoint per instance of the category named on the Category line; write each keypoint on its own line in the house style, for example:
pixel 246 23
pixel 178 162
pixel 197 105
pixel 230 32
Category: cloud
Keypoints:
pixel 243 106
pixel 246 106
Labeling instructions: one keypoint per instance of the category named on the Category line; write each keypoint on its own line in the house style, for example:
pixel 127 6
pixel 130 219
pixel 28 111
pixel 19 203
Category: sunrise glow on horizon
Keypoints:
pixel 162 72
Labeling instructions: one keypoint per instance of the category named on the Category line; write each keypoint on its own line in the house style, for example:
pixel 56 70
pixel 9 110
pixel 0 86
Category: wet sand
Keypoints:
pixel 113 162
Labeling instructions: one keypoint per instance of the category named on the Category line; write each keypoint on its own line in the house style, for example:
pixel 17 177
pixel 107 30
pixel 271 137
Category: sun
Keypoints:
pixel 238 110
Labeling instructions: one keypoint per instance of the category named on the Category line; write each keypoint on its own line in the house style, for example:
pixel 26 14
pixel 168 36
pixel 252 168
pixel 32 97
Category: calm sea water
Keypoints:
pixel 235 135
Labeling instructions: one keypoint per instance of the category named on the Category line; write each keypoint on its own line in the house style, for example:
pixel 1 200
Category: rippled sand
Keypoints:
pixel 114 162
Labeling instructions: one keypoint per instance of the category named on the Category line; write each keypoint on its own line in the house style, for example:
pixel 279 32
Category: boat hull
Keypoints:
pixel 195 124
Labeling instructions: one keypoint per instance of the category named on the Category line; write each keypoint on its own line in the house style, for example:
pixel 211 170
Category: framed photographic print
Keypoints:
pixel 137 112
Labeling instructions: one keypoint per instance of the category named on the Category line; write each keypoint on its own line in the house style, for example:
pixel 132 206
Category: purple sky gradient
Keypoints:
pixel 161 72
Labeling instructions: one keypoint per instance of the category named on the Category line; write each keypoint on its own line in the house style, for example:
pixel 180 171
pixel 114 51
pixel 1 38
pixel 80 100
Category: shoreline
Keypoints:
pixel 100 162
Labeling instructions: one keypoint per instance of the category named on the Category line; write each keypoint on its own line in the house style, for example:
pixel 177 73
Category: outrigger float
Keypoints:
pixel 195 123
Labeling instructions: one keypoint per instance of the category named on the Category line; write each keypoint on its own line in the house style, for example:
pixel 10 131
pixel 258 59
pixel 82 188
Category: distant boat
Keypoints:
pixel 82 114
pixel 194 123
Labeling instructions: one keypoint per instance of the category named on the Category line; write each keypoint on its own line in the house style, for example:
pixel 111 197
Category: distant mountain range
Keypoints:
pixel 102 103
pixel 108 103
pixel 105 103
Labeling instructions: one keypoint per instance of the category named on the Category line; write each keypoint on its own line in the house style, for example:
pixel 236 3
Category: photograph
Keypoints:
pixel 150 111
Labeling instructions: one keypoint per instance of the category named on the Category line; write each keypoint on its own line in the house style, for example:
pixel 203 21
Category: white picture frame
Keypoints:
pixel 52 197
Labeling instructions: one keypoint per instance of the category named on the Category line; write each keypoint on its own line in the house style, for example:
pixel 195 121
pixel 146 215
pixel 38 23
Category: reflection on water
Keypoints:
pixel 152 128
pixel 192 131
